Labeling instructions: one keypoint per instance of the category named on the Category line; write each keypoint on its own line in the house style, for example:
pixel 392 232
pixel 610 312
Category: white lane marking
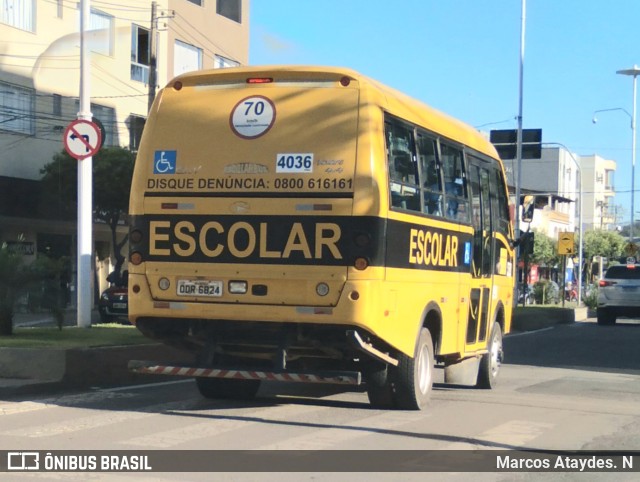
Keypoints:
pixel 101 420
pixel 513 335
pixel 11 408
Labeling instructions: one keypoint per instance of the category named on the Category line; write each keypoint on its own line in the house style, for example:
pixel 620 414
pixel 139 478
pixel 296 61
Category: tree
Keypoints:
pixel 609 244
pixel 112 173
pixel 544 250
pixel 10 268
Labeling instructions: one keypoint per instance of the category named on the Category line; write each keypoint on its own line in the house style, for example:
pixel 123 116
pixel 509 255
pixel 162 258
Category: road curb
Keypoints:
pixel 532 318
pixel 28 371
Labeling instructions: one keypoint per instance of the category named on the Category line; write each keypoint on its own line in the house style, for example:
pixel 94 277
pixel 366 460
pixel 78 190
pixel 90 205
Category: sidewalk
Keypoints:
pixel 31 371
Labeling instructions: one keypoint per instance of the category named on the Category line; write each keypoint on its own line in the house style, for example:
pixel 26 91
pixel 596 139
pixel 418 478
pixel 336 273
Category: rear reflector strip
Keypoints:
pixel 341 378
pixel 177 206
pixel 310 310
pixel 314 207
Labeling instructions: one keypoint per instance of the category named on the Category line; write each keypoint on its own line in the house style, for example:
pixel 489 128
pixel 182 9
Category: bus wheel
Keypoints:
pixel 379 390
pixel 414 376
pixel 492 360
pixel 227 388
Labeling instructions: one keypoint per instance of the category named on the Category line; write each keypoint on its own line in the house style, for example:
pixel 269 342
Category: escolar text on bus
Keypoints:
pixel 242 240
pixel 430 248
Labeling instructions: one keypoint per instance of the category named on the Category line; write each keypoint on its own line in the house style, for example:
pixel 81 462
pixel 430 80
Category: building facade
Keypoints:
pixel 129 43
pixel 563 184
pixel 600 210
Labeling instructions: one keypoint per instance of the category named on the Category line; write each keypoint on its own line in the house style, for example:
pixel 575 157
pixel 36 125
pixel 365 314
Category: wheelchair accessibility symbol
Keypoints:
pixel 164 162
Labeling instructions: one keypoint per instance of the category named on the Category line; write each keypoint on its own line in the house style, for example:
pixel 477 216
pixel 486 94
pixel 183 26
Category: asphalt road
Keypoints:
pixel 570 387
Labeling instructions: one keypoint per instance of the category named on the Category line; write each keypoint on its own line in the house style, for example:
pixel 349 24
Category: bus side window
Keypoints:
pixel 457 205
pixel 431 179
pixel 402 167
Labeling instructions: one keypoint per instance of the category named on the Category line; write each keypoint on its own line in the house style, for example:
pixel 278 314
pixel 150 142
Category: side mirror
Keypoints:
pixel 528 204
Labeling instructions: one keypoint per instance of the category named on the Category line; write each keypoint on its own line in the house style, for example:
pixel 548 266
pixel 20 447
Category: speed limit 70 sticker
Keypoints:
pixel 294 162
pixel 252 117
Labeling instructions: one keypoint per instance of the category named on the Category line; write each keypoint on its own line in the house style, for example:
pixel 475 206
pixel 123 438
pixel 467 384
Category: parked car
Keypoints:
pixel 114 304
pixel 619 293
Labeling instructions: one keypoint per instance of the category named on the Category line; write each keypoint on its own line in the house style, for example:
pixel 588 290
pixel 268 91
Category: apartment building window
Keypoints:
pixel 17 109
pixel 140 53
pixel 107 117
pixel 197 2
pixel 18 14
pixel 231 9
pixel 103 38
pixel 57 105
pixel 608 179
pixel 186 58
pixel 223 62
pixel 136 125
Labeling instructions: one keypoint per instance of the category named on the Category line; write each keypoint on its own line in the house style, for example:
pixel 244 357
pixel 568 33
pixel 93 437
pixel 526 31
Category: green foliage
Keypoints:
pixel 609 244
pixel 544 250
pixel 47 287
pixel 545 292
pixel 112 173
pixel 591 299
pixel 14 278
pixel 597 242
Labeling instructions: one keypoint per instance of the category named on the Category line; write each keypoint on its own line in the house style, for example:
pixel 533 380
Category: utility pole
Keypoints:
pixel 85 187
pixel 153 74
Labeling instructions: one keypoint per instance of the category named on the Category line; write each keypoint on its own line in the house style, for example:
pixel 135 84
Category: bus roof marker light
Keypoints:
pixel 177 85
pixel 259 80
pixel 345 81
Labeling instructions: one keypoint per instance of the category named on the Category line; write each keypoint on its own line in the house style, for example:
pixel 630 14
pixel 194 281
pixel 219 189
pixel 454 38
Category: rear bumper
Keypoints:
pixel 629 311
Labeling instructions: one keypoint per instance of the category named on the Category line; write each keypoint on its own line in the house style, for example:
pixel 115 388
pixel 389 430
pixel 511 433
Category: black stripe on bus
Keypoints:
pixel 266 195
pixel 300 240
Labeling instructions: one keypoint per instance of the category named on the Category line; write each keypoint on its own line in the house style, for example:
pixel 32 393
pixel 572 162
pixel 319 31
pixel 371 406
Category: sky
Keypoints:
pixel 463 57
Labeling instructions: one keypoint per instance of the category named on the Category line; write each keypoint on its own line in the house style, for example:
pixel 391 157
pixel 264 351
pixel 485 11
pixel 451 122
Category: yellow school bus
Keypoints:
pixel 311 224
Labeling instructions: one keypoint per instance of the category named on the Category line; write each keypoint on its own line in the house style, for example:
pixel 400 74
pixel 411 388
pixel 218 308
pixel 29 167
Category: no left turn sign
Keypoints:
pixel 82 139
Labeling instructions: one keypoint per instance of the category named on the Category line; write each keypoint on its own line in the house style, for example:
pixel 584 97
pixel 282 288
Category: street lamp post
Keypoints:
pixel 580 226
pixel 634 72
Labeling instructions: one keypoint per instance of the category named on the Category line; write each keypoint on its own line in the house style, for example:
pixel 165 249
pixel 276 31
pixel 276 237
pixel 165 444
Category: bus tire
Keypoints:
pixel 227 388
pixel 413 377
pixel 492 360
pixel 379 389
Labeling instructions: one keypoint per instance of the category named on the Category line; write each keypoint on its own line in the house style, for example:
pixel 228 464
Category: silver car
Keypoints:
pixel 619 293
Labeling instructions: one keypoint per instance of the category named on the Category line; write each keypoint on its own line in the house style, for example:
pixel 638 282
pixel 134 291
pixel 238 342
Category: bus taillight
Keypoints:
pixel 135 258
pixel 361 263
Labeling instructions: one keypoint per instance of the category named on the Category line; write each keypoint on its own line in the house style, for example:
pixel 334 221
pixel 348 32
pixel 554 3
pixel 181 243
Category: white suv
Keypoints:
pixel 619 293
